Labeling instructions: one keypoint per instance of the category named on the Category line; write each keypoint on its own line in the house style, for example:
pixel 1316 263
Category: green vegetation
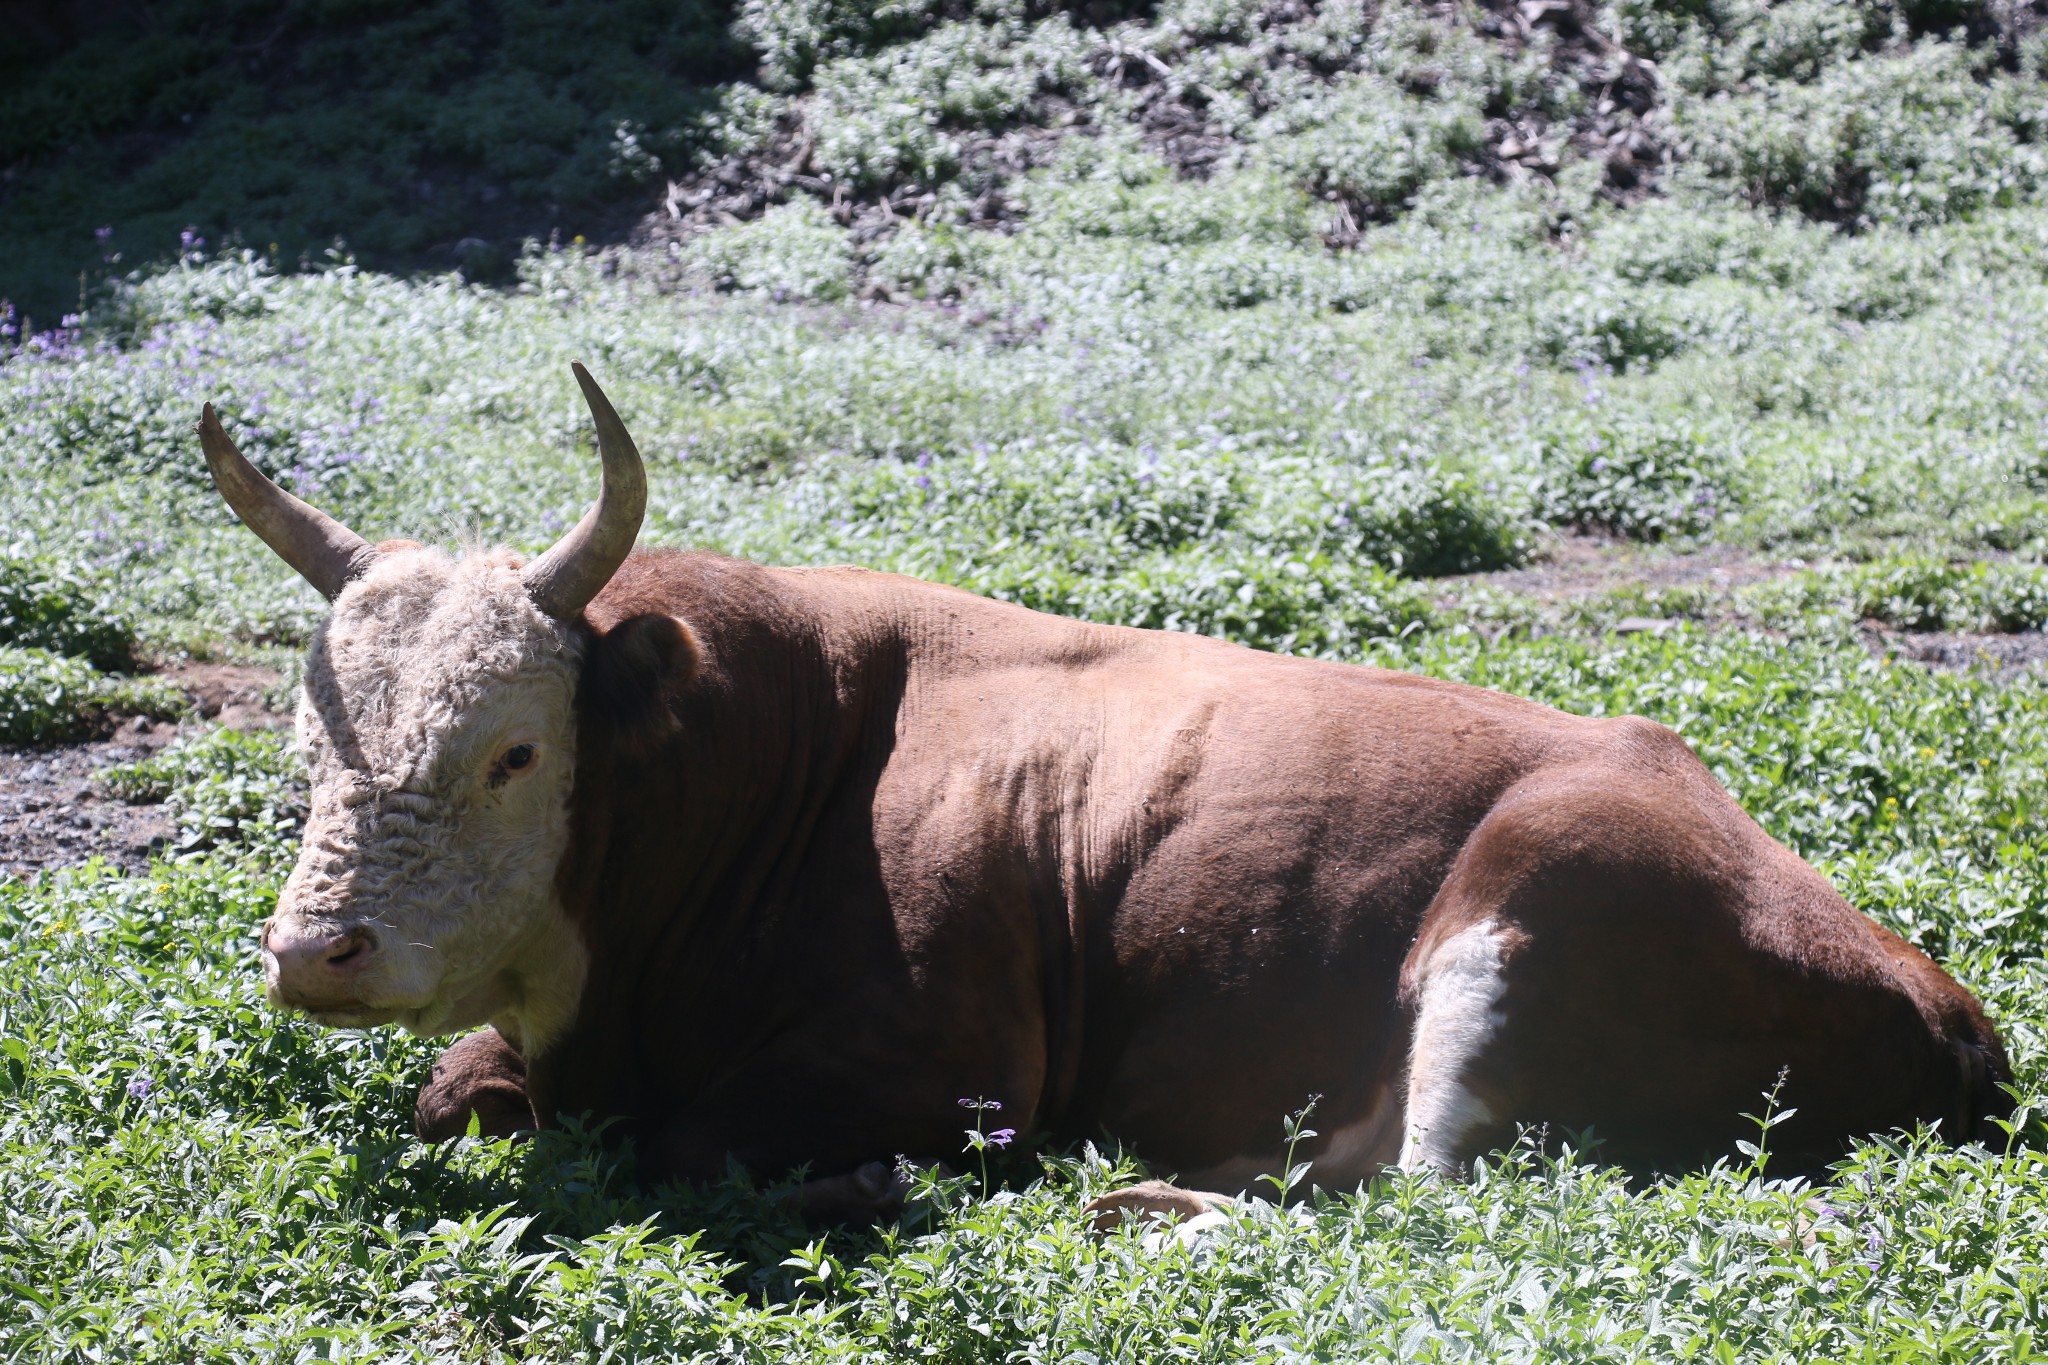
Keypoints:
pixel 1257 320
pixel 42 606
pixel 435 133
pixel 189 1174
pixel 226 787
pixel 57 635
pixel 46 697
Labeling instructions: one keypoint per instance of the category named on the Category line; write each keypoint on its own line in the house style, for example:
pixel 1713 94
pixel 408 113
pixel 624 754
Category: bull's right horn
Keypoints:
pixel 326 553
pixel 562 581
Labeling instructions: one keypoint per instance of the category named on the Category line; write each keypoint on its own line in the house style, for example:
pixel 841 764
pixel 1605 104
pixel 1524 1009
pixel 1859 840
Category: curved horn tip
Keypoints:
pixel 575 569
pixel 591 392
pixel 323 551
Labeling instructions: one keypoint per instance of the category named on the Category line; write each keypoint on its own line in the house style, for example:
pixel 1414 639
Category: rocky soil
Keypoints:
pixel 55 812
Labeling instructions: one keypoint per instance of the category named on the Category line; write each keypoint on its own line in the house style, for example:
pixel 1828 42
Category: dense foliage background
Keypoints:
pixel 1295 324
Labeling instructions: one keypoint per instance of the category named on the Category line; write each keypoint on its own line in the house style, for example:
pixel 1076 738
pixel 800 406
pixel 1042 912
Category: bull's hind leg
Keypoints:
pixel 1619 949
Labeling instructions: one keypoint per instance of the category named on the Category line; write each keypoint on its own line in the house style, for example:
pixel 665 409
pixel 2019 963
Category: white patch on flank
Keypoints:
pixel 1460 992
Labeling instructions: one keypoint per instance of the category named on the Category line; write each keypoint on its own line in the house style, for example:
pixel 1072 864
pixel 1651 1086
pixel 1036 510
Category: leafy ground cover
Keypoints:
pixel 1311 327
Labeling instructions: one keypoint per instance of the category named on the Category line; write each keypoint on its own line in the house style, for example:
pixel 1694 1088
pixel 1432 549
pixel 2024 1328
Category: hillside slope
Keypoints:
pixel 440 135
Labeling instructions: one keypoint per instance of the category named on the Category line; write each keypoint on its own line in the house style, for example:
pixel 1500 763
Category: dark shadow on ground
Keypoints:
pixel 432 135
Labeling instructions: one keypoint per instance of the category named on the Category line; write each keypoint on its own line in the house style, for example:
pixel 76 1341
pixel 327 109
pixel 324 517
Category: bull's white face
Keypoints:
pixel 438 727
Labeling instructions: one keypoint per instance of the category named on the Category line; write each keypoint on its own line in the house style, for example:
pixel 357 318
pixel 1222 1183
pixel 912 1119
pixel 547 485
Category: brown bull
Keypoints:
pixel 781 864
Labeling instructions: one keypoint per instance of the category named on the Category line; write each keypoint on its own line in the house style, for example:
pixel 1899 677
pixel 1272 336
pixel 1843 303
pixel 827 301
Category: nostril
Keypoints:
pixel 350 947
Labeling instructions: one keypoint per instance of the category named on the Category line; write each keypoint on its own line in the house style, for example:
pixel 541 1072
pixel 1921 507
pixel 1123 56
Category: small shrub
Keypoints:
pixel 1911 139
pixel 46 697
pixel 1643 478
pixel 1910 592
pixel 793 252
pixel 794 36
pixel 1286 604
pixel 1601 324
pixel 225 787
pixel 1366 141
pixel 1798 39
pixel 1916 593
pixel 927 262
pixel 43 606
pixel 1675 243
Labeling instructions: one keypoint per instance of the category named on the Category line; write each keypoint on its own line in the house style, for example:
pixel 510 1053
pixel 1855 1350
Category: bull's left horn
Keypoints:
pixel 562 581
pixel 326 553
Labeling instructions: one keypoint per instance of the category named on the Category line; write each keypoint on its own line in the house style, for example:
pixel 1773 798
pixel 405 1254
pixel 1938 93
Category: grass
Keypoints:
pixel 1199 403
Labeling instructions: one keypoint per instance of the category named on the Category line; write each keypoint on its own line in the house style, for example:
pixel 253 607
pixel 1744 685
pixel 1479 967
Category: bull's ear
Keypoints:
pixel 635 668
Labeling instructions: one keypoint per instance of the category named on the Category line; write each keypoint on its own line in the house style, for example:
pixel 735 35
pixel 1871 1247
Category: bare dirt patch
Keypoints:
pixel 1584 565
pixel 54 811
pixel 1579 565
pixel 2007 655
pixel 234 695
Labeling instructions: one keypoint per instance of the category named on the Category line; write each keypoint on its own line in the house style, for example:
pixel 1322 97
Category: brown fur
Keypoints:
pixel 848 848
pixel 482 1075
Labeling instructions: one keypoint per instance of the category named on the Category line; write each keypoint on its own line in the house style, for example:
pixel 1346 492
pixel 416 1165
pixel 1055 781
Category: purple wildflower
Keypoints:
pixel 138 1086
pixel 981 1104
pixel 102 234
pixel 1001 1137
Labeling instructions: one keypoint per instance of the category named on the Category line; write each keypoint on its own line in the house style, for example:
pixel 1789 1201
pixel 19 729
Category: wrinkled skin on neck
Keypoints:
pixel 437 723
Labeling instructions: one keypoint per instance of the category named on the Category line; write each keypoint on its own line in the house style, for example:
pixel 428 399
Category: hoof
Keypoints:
pixel 874 1193
pixel 1153 1202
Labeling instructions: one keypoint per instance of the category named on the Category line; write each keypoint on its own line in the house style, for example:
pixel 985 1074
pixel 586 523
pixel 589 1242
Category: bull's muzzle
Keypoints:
pixel 315 967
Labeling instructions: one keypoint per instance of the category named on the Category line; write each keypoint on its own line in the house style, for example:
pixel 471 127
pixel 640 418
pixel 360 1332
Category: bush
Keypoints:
pixel 225 787
pixel 1281 549
pixel 1911 592
pixel 1917 593
pixel 794 36
pixel 45 697
pixel 1366 141
pixel 46 607
pixel 793 252
pixel 1643 478
pixel 1911 139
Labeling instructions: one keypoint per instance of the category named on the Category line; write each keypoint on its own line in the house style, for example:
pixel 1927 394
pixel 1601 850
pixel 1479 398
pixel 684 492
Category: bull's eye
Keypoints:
pixel 513 761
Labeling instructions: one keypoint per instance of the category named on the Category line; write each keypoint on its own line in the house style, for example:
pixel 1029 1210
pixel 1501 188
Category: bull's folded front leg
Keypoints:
pixel 483 1075
pixel 874 1193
